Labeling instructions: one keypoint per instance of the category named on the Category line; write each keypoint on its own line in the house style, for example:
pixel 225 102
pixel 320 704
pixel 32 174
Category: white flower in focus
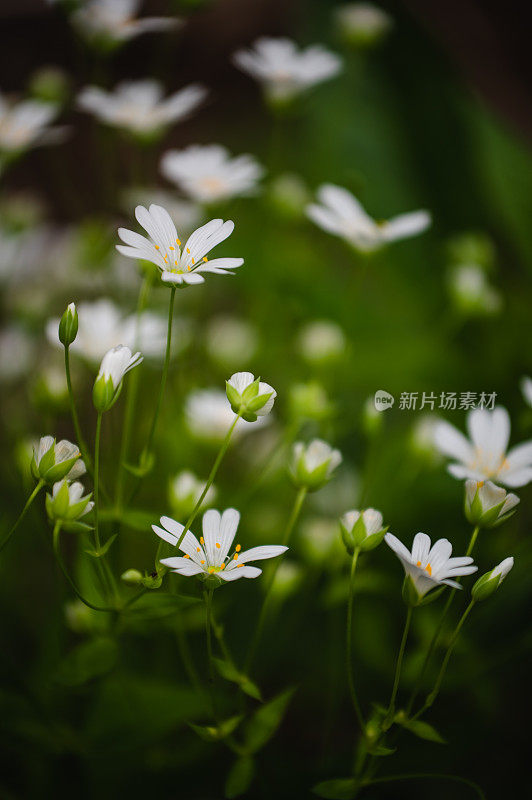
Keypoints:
pixel 471 291
pixel 312 465
pixel 230 341
pixel 341 214
pixel 138 106
pixel 321 341
pixel 490 581
pixel 52 461
pixel 249 397
pixel 283 70
pixel 164 247
pixel 208 173
pixel 363 23
pixel 184 491
pixel 114 20
pixel 115 364
pixel 67 502
pixel 362 529
pixel 26 124
pixel 487 505
pixel 211 554
pixel 484 456
pixel 209 416
pixel 526 388
pixel 429 567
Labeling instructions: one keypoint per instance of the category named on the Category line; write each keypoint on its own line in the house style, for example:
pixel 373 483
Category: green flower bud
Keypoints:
pixel 52 461
pixel 490 582
pixel 487 505
pixel 249 397
pixel 132 577
pixel 312 465
pixel 68 325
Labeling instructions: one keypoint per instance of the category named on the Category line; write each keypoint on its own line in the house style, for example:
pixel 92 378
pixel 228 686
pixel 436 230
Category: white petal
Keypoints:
pixel 451 442
pixel 421 548
pixel 261 552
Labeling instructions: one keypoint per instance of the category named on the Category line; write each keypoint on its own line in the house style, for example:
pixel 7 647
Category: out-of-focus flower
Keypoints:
pixel 472 248
pixel 341 214
pixel 428 567
pixel 184 491
pixel 283 70
pixel 209 416
pixel 485 456
pixel 113 21
pixel 208 173
pixel 490 581
pixel 320 341
pixel 230 341
pixel 139 107
pixel 422 437
pixel 21 210
pixel 17 353
pixel 487 505
pixel 309 401
pixel 115 364
pixel 289 195
pixel 52 461
pixel 471 291
pixel 319 541
pixel 363 24
pixel 313 464
pixel 249 397
pixel 185 214
pixel 178 267
pixel 287 580
pixel 526 388
pixel 49 85
pixel 362 530
pixel 210 556
pixel 67 502
pixel 26 124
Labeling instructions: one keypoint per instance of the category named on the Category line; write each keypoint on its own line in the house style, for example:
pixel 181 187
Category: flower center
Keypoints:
pixel 428 568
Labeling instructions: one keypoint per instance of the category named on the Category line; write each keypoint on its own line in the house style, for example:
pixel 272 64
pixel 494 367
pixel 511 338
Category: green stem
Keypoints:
pixel 22 514
pixel 208 593
pixel 473 540
pixel 296 510
pixel 75 419
pixel 391 708
pixel 97 481
pixel 349 644
pixel 57 553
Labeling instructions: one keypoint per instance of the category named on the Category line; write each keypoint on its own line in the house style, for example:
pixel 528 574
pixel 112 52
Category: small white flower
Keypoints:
pixel 67 502
pixel 490 581
pixel 321 340
pixel 471 291
pixel 185 490
pixel 211 554
pixel 363 23
pixel 362 529
pixel 209 416
pixel 26 124
pixel 208 173
pixel 428 566
pixel 485 456
pixel 285 71
pixel 230 341
pixel 138 106
pixel 312 465
pixel 115 364
pixel 115 20
pixel 52 461
pixel 164 247
pixel 248 397
pixel 341 214
pixel 526 388
pixel 488 505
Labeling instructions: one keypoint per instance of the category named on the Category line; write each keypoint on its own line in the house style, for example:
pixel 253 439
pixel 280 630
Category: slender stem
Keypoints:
pixel 296 510
pixel 75 419
pixel 97 481
pixel 349 644
pixel 391 708
pixel 186 658
pixel 437 686
pixel 22 514
pixel 57 553
pixel 438 630
pixel 208 593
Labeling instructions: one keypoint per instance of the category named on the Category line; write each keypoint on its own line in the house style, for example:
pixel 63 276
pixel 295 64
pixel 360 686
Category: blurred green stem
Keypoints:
pixel 398 666
pixel 106 575
pixel 349 644
pixel 59 558
pixel 296 510
pixel 208 593
pixel 22 514
pixel 75 419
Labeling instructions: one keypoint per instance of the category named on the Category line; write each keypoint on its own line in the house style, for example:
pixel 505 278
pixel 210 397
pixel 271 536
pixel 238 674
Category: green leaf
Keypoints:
pixel 144 466
pixel 240 776
pixel 380 750
pixel 421 729
pixel 103 549
pixel 212 733
pixel 76 527
pixel 230 673
pixel 265 721
pixel 87 661
pixel 336 789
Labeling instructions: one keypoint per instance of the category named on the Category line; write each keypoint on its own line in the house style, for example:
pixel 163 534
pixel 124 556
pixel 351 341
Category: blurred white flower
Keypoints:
pixel 115 20
pixel 485 456
pixel 179 267
pixel 321 340
pixel 313 464
pixel 471 291
pixel 319 540
pixel 428 566
pixel 208 173
pixel 211 554
pixel 230 341
pixel 38 253
pixel 363 23
pixel 283 70
pixel 422 436
pixel 209 416
pixel 341 214
pixel 184 491
pixel 138 106
pixel 26 124
pixel 17 353
pixel 526 388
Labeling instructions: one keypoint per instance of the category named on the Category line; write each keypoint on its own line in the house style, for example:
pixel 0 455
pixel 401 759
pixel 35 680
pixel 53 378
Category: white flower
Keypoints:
pixel 363 23
pixel 471 291
pixel 208 174
pixel 312 464
pixel 211 554
pixel 116 362
pixel 362 529
pixel 488 505
pixel 67 503
pixel 209 416
pixel 342 214
pixel 485 456
pixel 26 124
pixel 185 490
pixel 52 461
pixel 115 20
pixel 428 566
pixel 177 266
pixel 283 70
pixel 526 388
pixel 249 397
pixel 230 341
pixel 490 581
pixel 321 340
pixel 138 106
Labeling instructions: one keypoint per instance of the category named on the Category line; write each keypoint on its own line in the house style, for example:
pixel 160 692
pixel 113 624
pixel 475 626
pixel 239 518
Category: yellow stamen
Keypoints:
pixel 165 259
pixel 188 250
pixel 223 566
pixel 480 484
pixel 157 247
pixel 418 564
pixel 198 549
pixel 202 562
pixel 205 259
pixel 171 248
pixel 238 548
pixel 235 556
pixel 217 545
pixel 186 556
pixel 240 565
pixel 178 241
pixel 429 569
pixel 202 541
pixel 192 261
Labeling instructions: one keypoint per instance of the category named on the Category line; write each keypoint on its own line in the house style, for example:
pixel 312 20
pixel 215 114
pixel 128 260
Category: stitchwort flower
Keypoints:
pixel 115 363
pixel 362 530
pixel 248 397
pixel 113 21
pixel 490 581
pixel 313 464
pixel 67 502
pixel 488 505
pixel 52 461
pixel 211 556
pixel 25 124
pixel 178 267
